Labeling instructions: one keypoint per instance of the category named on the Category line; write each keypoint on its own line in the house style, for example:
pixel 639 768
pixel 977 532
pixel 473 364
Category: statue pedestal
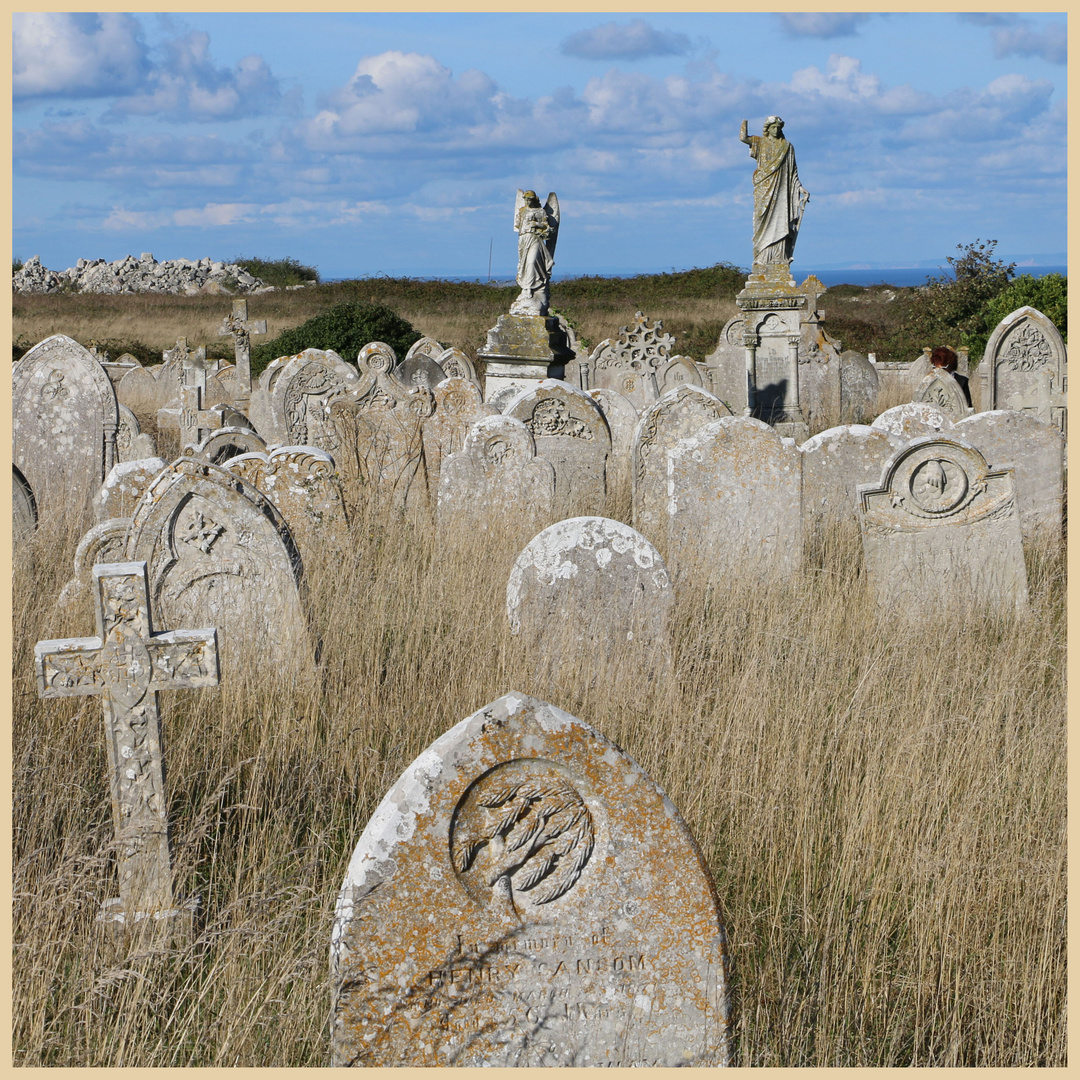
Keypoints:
pixel 522 350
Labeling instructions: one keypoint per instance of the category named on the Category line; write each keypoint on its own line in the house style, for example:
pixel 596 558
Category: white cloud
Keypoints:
pixel 188 85
pixel 635 40
pixel 822 24
pixel 1050 43
pixel 76 55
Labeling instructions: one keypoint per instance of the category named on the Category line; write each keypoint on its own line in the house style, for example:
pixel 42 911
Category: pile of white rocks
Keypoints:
pixel 144 274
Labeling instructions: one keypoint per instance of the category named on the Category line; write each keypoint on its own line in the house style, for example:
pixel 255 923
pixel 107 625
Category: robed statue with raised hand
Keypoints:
pixel 538 229
pixel 779 198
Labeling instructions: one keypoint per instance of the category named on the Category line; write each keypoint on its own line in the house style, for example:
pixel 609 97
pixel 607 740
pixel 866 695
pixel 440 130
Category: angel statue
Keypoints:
pixel 537 228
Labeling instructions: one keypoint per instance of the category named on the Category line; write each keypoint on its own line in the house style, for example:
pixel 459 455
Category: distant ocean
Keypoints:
pixel 906 275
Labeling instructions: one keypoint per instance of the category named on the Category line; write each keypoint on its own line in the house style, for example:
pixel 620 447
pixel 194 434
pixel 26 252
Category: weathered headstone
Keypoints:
pixel 679 371
pixel 1035 451
pixel 632 362
pixel 300 395
pixel 941 531
pixel 428 346
pixel 23 507
pixel 859 388
pixel 302 483
pixel 525 895
pixel 569 431
pixel 104 542
pixel 419 370
pixel 834 463
pixel 378 430
pixel 131 443
pixel 459 403
pixel 220 552
pixel 734 502
pixel 127 664
pixel 622 419
pixel 64 423
pixel 938 387
pixel 227 442
pixel 913 420
pixel 589 591
pixel 457 365
pixel 125 486
pixel 496 482
pixel 241 328
pixel 1028 367
pixel 680 413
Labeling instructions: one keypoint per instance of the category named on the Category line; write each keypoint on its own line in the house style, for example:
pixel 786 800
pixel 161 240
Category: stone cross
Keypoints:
pixel 126 665
pixel 241 329
pixel 196 423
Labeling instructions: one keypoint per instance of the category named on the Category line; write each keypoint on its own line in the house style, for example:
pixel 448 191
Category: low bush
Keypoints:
pixel 278 272
pixel 1049 294
pixel 346 328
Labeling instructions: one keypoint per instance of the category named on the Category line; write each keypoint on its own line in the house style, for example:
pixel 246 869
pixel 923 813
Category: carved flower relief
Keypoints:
pixel 1028 349
pixel 551 416
pixel 521 836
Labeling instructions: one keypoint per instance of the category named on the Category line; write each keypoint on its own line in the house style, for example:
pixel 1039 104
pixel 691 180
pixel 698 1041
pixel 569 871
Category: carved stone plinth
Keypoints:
pixel 522 350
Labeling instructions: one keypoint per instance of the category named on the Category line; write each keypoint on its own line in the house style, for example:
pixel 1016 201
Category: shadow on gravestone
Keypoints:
pixel 525 895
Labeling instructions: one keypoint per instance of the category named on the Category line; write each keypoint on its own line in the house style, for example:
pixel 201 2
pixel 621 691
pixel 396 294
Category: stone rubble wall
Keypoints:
pixel 142 274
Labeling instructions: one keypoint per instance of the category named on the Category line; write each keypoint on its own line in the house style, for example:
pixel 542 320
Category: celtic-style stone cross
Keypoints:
pixel 241 329
pixel 126 665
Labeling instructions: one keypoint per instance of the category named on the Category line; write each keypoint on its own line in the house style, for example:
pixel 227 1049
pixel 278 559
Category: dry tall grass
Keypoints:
pixel 883 810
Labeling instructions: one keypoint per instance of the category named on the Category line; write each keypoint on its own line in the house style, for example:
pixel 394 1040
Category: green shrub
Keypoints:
pixel 16 264
pixel 1049 294
pixel 278 272
pixel 346 328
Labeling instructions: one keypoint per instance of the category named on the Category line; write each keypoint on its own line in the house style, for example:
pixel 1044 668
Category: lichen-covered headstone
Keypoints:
pixel 496 483
pixel 834 463
pixel 64 423
pixel 220 553
pixel 526 895
pixel 941 531
pixel 228 442
pixel 622 419
pixel 1027 366
pixel 419 370
pixel 859 387
pixel 124 487
pixel 302 483
pixel 104 542
pixel 1035 451
pixel 734 503
pixel 940 388
pixel 570 431
pixel 456 365
pixel 913 420
pixel 680 413
pixel 299 411
pixel 459 403
pixel 589 590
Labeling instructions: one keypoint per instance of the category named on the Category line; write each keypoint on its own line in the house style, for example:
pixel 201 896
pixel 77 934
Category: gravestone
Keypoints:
pixel 913 420
pixel 428 346
pixel 1035 451
pixel 458 404
pixel 196 419
pixel 734 504
pixel 64 423
pixel 680 413
pixel 622 419
pixel 139 390
pixel 939 388
pixel 300 395
pixel 834 463
pixel 126 665
pixel 125 486
pixel 23 508
pixel 569 431
pixel 241 328
pixel 378 430
pixel 941 531
pixel 220 552
pixel 631 363
pixel 227 442
pixel 588 592
pixel 859 388
pixel 526 895
pixel 302 483
pixel 104 542
pixel 496 482
pixel 419 370
pixel 456 365
pixel 1028 368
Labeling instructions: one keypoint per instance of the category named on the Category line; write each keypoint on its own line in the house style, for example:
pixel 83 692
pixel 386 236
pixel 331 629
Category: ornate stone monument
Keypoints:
pixel 1027 367
pixel 241 329
pixel 525 895
pixel 126 665
pixel 528 344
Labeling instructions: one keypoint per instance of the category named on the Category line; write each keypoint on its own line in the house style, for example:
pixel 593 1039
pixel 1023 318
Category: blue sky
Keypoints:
pixel 370 143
